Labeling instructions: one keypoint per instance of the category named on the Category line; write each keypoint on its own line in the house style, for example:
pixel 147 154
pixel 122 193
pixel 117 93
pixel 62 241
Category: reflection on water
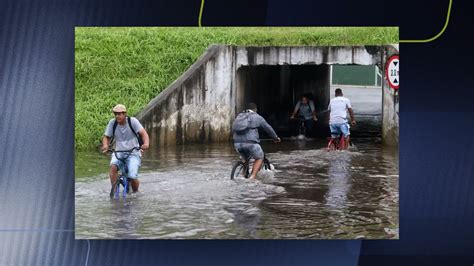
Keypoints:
pixel 186 192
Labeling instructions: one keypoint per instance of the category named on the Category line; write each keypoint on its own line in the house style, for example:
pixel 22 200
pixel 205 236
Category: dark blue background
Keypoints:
pixel 37 133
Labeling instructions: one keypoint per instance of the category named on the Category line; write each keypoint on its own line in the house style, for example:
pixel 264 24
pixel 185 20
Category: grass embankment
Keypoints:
pixel 133 65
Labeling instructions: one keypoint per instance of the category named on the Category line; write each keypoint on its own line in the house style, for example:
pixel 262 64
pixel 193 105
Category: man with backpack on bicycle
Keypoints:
pixel 306 114
pixel 128 134
pixel 338 108
pixel 247 139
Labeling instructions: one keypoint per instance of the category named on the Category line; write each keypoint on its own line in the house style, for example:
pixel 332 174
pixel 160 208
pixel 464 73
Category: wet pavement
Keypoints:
pixel 186 193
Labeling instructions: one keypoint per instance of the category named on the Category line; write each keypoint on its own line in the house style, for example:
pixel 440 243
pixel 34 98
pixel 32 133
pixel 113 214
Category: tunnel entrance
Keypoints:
pixel 276 88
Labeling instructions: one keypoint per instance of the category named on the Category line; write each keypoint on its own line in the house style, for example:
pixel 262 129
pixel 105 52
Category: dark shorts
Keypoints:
pixel 247 150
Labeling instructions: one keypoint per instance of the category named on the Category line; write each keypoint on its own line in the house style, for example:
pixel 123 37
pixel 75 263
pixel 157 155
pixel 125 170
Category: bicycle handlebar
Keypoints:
pixel 261 140
pixel 134 148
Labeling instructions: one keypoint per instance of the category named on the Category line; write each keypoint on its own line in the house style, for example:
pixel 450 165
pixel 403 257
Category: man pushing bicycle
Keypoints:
pixel 247 139
pixel 338 108
pixel 130 136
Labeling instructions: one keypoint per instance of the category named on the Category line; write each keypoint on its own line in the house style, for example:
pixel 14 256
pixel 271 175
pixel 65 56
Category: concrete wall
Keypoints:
pixel 390 102
pixel 201 105
pixel 367 105
pixel 197 106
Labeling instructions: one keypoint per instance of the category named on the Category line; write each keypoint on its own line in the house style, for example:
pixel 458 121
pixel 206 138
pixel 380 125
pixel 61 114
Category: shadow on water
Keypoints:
pixel 186 192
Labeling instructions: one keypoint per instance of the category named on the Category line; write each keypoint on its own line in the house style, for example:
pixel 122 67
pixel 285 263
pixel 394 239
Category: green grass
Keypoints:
pixel 133 65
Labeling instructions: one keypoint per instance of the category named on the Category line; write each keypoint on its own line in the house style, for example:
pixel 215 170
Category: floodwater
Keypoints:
pixel 186 193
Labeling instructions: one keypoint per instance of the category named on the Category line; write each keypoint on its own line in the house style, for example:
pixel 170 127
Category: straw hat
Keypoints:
pixel 119 108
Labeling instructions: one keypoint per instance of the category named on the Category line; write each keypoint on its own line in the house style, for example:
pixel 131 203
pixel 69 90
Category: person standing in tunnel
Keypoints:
pixel 247 139
pixel 338 108
pixel 306 113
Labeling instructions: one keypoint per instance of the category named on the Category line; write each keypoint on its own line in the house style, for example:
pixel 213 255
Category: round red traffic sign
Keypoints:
pixel 392 72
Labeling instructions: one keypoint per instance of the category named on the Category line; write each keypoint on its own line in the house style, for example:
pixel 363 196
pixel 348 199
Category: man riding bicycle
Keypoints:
pixel 128 133
pixel 306 113
pixel 338 108
pixel 247 139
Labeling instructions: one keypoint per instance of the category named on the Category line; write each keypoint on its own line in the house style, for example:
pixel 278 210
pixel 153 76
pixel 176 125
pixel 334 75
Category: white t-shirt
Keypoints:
pixel 338 107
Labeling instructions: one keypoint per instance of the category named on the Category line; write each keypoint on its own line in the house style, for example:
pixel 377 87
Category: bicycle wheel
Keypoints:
pixel 239 170
pixel 266 164
pixel 128 185
pixel 342 145
pixel 332 145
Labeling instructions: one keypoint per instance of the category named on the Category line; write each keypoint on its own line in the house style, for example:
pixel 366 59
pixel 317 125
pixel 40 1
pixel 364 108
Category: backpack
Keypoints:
pixel 139 138
pixel 241 123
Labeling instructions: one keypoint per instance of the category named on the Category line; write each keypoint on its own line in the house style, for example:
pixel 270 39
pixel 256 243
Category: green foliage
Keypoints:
pixel 133 65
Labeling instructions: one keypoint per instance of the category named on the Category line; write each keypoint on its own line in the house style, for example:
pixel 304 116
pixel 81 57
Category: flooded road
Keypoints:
pixel 186 192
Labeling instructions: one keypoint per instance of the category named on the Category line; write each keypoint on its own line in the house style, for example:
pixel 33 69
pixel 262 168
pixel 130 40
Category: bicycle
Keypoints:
pixel 122 178
pixel 301 126
pixel 302 131
pixel 339 143
pixel 242 168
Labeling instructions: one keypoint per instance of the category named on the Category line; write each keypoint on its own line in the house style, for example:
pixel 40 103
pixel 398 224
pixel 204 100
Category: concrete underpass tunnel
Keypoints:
pixel 276 89
pixel 200 106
